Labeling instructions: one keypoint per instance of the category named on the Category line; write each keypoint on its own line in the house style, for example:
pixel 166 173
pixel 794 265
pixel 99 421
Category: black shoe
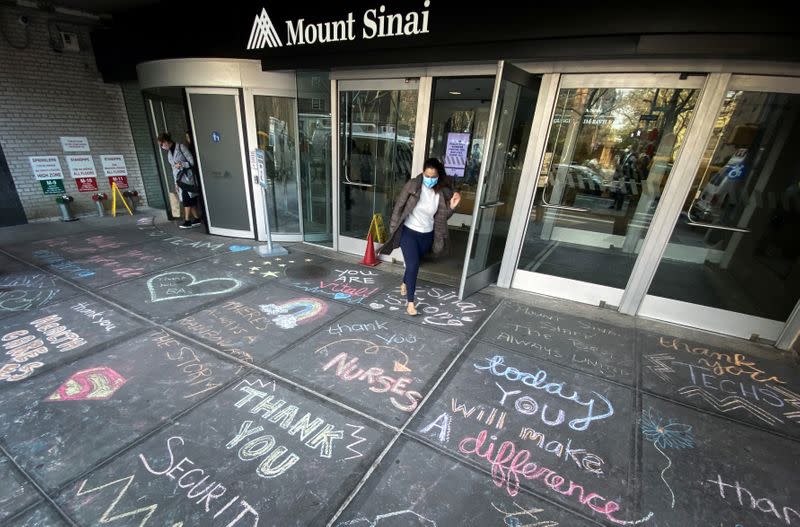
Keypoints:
pixel 197 222
pixel 185 225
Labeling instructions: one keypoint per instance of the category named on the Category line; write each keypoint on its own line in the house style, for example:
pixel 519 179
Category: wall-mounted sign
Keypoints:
pixel 75 144
pixel 120 181
pixel 81 167
pixel 455 157
pixel 46 167
pixel 114 165
pixel 215 137
pixel 86 184
pixel 52 186
pixel 374 23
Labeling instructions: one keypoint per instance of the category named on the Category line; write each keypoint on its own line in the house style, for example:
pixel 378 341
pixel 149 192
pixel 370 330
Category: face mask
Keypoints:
pixel 429 181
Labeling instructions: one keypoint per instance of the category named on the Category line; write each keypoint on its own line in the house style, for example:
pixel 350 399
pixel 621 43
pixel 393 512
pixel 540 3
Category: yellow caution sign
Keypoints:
pixel 378 229
pixel 114 191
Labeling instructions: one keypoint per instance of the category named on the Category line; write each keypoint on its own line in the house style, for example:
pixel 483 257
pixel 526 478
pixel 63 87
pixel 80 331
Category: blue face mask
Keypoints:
pixel 429 181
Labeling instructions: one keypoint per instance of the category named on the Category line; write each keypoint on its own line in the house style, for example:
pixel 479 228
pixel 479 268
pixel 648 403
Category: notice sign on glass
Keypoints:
pixel 455 157
pixel 46 167
pixel 52 186
pixel 75 144
pixel 115 170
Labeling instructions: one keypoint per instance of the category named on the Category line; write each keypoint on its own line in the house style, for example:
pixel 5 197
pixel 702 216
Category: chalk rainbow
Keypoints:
pixel 296 311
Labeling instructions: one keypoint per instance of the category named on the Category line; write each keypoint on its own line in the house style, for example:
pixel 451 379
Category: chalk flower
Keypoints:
pixel 666 434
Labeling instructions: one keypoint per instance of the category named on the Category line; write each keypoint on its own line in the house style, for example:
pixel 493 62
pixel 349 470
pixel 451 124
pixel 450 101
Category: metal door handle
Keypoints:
pixel 564 207
pixel 492 205
pixel 717 227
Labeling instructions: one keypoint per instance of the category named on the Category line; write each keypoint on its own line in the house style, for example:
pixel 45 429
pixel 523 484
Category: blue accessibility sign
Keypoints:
pixel 215 137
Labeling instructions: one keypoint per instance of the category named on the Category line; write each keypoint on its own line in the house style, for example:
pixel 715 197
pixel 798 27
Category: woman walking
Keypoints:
pixel 419 222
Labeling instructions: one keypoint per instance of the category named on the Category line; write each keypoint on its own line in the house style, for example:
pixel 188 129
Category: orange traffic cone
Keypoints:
pixel 369 254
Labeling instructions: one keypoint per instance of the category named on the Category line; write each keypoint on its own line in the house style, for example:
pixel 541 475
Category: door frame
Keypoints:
pixel 782 333
pixel 548 285
pixel 422 86
pixel 252 136
pixel 506 71
pixel 242 150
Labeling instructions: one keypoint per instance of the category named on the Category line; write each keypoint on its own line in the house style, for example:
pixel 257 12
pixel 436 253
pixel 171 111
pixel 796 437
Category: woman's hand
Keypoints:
pixel 455 200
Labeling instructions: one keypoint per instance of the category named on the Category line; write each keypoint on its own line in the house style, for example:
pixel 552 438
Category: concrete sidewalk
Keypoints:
pixel 156 377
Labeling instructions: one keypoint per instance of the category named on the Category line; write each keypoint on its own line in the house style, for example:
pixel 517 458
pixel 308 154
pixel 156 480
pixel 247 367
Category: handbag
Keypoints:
pixel 184 185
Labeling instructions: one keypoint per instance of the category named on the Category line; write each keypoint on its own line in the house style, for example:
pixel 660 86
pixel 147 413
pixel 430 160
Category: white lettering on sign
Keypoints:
pixel 114 166
pixel 46 167
pixel 376 23
pixel 81 166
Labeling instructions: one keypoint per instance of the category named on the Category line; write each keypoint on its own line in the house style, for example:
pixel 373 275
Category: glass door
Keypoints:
pixel 510 118
pixel 731 265
pixel 377 124
pixel 612 145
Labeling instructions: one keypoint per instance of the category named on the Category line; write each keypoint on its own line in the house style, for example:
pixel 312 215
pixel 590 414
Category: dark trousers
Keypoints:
pixel 414 245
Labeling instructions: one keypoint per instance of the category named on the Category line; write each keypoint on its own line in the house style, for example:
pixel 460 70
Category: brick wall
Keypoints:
pixel 45 94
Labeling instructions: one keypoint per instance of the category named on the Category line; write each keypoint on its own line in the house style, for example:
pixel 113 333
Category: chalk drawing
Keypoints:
pixel 729 404
pixel 175 286
pixel 295 312
pixel 359 440
pixel 510 519
pixel 239 248
pixel 93 384
pixel 390 517
pixel 669 434
pixel 659 365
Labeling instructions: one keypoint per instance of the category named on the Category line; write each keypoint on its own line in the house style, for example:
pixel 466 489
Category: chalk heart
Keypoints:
pixel 177 284
pixel 239 248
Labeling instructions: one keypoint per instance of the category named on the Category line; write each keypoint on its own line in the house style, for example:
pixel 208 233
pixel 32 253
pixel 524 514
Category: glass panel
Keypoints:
pixel 314 118
pixel 376 148
pixel 276 125
pixel 515 107
pixel 219 150
pixel 458 125
pixel 609 154
pixel 749 180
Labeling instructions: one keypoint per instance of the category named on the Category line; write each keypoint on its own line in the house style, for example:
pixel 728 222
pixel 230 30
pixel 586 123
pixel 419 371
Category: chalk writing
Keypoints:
pixel 97 317
pixel 491 413
pixel 22 346
pixel 219 338
pixel 583 459
pixel 265 445
pixel 721 363
pixel 179 284
pixel 355 276
pixel 31 281
pixel 443 424
pixel 538 380
pixel 196 481
pixel 186 242
pixel 729 404
pixel 347 369
pixel 94 384
pixel 57 262
pixel 438 307
pixel 276 411
pixel 509 464
pixel 197 371
pixel 747 499
pixel 337 291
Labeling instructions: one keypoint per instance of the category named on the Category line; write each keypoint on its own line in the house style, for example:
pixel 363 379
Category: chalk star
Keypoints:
pixel 308 259
pixel 269 273
pixel 255 268
pixel 268 263
pixel 282 265
pixel 238 265
pixel 291 261
pixel 278 259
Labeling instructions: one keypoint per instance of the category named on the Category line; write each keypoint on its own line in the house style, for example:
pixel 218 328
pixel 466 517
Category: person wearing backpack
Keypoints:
pixel 186 186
